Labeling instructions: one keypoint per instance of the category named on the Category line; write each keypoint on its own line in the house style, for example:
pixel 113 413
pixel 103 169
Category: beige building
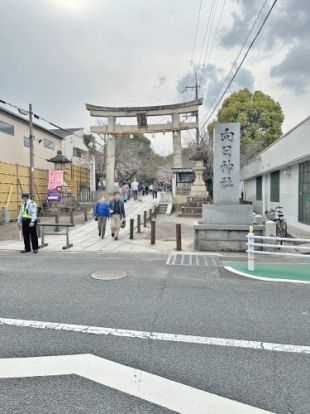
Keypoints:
pixel 15 160
pixel 14 141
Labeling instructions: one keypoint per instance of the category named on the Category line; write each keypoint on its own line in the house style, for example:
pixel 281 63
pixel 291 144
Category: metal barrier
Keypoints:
pixel 258 241
pixel 90 196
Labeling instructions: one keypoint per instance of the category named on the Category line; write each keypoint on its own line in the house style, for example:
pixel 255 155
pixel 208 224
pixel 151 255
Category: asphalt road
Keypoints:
pixel 153 297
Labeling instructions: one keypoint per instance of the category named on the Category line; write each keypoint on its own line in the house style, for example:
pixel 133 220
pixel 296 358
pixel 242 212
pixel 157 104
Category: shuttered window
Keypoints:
pixel 304 192
pixel 275 186
pixel 259 191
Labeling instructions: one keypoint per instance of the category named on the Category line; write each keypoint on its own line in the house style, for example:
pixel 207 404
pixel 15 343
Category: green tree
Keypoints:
pixel 260 120
pixel 89 141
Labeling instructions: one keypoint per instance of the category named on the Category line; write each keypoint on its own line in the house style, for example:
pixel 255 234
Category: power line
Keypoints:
pixel 196 34
pixel 26 112
pixel 206 32
pixel 210 29
pixel 239 53
pixel 240 64
pixel 213 41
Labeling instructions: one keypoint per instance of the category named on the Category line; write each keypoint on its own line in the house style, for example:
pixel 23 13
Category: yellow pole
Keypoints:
pixel 9 197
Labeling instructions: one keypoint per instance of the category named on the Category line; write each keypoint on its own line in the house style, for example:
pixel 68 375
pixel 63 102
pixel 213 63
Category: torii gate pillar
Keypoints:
pixel 177 143
pixel 110 156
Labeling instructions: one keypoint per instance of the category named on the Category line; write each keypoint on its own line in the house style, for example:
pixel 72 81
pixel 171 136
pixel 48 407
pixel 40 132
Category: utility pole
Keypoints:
pixel 31 137
pixel 196 87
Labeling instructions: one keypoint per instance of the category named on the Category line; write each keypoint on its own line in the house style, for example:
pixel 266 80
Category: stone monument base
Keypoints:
pixel 227 214
pixel 222 237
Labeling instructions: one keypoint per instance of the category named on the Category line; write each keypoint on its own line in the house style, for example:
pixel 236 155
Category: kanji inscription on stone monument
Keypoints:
pixel 226 149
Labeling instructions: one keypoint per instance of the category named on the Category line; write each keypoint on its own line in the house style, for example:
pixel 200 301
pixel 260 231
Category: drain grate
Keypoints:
pixel 193 260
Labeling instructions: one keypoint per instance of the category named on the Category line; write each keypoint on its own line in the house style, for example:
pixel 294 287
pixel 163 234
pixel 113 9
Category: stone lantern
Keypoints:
pixel 59 160
pixel 198 189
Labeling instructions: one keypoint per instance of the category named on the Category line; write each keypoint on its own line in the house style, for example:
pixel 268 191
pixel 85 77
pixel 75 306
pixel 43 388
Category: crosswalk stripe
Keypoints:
pixel 199 340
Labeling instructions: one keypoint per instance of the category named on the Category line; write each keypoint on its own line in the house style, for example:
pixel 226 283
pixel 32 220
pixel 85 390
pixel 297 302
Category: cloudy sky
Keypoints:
pixel 59 54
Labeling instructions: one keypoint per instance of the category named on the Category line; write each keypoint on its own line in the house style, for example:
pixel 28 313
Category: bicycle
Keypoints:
pixel 271 214
pixel 281 225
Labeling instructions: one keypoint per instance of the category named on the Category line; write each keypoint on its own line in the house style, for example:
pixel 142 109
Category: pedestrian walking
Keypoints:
pixel 134 189
pixel 155 189
pixel 125 191
pixel 27 221
pixel 102 214
pixel 117 210
pixel 140 192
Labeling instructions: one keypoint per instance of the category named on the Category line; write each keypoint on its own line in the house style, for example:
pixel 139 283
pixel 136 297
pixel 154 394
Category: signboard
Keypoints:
pixel 55 184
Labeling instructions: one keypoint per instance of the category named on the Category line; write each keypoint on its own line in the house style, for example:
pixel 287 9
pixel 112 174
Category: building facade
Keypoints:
pixel 14 141
pixel 73 146
pixel 15 160
pixel 280 176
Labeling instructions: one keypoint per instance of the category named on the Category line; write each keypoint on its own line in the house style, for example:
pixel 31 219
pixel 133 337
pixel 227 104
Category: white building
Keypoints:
pixel 280 175
pixel 73 146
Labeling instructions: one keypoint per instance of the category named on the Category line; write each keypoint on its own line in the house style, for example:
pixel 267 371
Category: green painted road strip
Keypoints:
pixel 273 272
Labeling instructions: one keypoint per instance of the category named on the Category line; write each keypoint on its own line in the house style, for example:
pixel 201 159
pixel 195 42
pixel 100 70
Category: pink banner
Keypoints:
pixel 55 183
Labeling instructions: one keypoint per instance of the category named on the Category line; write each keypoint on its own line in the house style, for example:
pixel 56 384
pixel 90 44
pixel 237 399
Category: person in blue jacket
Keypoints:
pixel 102 214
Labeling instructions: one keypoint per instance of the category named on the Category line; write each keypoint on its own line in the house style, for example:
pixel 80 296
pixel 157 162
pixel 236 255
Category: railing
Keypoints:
pixel 183 189
pixel 258 241
pixel 90 196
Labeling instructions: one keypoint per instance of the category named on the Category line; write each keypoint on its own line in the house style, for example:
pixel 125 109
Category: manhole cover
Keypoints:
pixel 108 275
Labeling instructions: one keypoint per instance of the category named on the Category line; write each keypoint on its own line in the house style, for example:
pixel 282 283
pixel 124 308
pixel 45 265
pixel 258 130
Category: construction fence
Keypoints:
pixel 15 179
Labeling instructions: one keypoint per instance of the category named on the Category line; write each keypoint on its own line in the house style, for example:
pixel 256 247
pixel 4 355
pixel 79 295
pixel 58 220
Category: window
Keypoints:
pixel 49 144
pixel 6 128
pixel 77 152
pixel 26 142
pixel 259 190
pixel 304 193
pixel 275 186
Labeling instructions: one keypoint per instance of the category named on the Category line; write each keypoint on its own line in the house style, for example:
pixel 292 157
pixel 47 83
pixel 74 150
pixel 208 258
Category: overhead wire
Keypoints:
pixel 206 32
pixel 36 116
pixel 213 41
pixel 209 36
pixel 241 63
pixel 239 54
pixel 196 34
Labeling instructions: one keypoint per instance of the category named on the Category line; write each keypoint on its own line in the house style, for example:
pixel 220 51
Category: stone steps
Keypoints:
pixel 162 208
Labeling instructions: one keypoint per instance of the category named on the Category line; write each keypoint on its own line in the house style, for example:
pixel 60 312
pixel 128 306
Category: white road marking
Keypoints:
pixel 161 391
pixel 157 336
pixel 268 279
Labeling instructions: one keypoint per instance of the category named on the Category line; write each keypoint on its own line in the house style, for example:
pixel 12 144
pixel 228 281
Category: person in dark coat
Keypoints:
pixel 117 210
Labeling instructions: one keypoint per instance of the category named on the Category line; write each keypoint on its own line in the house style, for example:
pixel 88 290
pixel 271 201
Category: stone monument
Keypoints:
pixel 225 223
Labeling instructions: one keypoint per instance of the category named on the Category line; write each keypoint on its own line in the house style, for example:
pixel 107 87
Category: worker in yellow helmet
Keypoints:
pixel 27 220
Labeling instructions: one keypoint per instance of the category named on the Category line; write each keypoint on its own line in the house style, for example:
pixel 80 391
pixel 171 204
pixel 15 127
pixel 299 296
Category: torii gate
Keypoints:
pixel 141 113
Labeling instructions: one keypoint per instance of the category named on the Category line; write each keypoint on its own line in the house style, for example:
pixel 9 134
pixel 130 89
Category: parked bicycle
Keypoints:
pixel 277 216
pixel 271 214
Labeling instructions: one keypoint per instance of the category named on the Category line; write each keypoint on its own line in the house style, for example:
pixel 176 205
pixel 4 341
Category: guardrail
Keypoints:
pixel 89 196
pixel 258 241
